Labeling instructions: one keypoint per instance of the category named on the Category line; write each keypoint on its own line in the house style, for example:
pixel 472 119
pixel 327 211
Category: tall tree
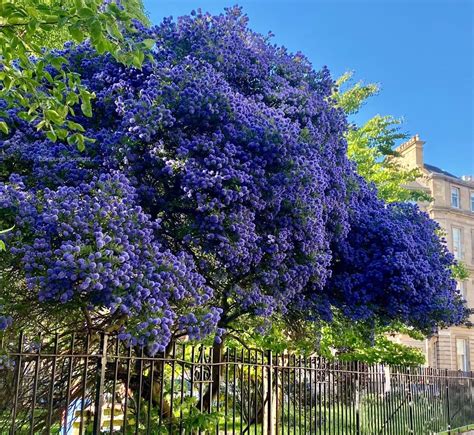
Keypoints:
pixel 217 193
pixel 371 146
pixel 241 189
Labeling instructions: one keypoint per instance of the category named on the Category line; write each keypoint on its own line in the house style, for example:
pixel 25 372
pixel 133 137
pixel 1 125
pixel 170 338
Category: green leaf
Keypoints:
pixel 115 10
pixel 40 67
pixel 80 142
pixel 26 116
pixel 8 82
pixel 7 230
pixel 95 29
pixel 113 30
pixel 2 243
pixel 76 33
pixel 4 128
pixel 89 139
pixel 72 98
pixel 75 126
pixel 41 124
pixel 54 116
pixel 86 107
pixel 61 133
pixel 48 76
pixel 58 62
pixel 85 13
pixel 101 45
pixel 78 139
pixel 51 135
pixel 16 20
pixel 137 59
pixel 148 43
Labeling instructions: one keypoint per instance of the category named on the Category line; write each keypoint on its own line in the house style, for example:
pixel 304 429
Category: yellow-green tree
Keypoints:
pixel 372 145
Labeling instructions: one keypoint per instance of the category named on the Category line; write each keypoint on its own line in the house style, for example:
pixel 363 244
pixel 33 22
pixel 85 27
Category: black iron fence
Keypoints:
pixel 92 384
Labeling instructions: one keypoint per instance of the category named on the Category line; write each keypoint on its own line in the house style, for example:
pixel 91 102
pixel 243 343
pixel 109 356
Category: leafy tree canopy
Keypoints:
pixel 371 145
pixel 216 190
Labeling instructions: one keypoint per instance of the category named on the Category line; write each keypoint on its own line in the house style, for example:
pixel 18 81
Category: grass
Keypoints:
pixel 427 416
pixel 458 430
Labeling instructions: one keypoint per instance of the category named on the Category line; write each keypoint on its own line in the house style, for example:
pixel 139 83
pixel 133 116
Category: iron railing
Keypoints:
pixel 78 384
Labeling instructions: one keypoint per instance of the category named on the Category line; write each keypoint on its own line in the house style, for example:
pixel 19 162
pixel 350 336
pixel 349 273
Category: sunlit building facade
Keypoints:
pixel 452 206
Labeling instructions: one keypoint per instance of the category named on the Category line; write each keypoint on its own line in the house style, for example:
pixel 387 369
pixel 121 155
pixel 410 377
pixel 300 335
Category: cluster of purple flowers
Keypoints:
pixel 5 322
pixel 393 263
pixel 92 244
pixel 217 186
pixel 5 319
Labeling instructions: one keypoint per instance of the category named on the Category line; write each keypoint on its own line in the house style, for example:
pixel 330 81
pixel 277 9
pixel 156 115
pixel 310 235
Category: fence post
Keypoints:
pixel 99 398
pixel 270 422
pixel 410 401
pixel 18 372
pixel 447 400
pixel 357 398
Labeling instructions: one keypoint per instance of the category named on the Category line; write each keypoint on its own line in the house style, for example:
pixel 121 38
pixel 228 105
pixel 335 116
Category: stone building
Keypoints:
pixel 452 207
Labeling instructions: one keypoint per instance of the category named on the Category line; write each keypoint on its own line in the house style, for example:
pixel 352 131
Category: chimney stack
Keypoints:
pixel 412 152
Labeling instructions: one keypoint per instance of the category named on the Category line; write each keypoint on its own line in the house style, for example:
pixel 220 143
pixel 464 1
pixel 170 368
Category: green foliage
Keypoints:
pixel 369 343
pixel 341 339
pixel 371 146
pixel 352 99
pixel 186 414
pixel 194 418
pixel 2 243
pixel 299 337
pixel 29 29
pixel 460 271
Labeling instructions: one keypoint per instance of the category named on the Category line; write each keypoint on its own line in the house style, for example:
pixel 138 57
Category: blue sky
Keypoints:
pixel 421 52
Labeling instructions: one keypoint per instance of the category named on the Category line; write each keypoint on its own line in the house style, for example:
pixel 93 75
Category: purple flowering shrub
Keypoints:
pixel 215 186
pixel 394 265
pixel 93 245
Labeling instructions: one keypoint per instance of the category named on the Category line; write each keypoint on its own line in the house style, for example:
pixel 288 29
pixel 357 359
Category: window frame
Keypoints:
pixel 457 190
pixel 461 287
pixel 457 250
pixel 466 357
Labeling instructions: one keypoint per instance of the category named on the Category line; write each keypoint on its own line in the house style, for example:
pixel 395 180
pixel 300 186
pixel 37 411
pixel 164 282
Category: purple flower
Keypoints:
pixel 217 186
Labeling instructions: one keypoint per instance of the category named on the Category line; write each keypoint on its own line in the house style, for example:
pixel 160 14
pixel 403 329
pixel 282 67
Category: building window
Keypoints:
pixel 457 244
pixel 462 354
pixel 472 201
pixel 462 289
pixel 455 194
